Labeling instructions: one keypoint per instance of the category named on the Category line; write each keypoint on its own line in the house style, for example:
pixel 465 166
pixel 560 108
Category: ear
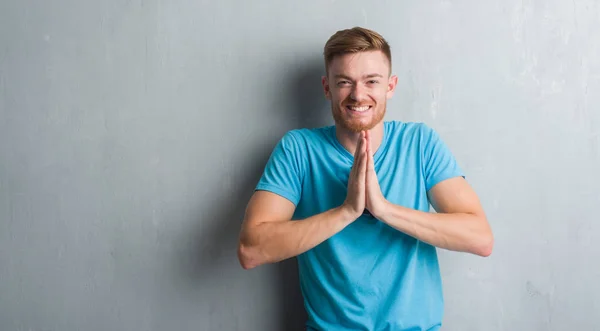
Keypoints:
pixel 326 89
pixel 392 82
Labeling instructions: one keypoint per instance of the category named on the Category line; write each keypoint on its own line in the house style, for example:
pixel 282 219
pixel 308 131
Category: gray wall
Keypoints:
pixel 133 132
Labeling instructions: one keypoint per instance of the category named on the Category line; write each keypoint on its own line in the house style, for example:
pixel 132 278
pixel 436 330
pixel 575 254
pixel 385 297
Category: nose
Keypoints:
pixel 357 93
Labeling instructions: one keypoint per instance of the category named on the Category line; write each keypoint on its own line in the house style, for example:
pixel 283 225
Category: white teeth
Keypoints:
pixel 360 109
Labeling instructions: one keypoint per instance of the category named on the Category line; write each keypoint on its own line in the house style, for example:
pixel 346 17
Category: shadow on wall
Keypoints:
pixel 306 95
pixel 214 242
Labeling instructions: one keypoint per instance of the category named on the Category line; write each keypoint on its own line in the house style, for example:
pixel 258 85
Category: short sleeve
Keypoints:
pixel 282 174
pixel 438 161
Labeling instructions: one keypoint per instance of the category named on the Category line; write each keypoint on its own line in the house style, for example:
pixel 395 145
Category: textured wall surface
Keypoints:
pixel 133 132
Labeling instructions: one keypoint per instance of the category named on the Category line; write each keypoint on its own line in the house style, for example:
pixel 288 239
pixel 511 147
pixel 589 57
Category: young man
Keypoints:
pixel 351 201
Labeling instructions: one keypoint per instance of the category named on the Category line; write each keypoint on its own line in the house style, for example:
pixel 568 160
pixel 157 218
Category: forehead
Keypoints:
pixel 359 64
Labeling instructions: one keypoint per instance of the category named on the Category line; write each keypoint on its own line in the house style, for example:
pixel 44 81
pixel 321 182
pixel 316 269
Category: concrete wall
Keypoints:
pixel 133 132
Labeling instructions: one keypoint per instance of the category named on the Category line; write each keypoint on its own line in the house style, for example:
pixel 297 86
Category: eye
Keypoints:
pixel 373 81
pixel 343 83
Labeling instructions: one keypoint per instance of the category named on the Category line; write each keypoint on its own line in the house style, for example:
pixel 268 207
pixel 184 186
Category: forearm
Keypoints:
pixel 461 232
pixel 270 242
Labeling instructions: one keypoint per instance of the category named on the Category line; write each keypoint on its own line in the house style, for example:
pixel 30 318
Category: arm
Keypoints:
pixel 459 225
pixel 269 235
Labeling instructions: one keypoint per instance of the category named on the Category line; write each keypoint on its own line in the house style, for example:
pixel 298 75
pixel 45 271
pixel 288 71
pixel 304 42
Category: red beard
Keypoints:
pixel 356 124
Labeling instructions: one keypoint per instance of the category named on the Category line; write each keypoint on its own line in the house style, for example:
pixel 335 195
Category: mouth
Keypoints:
pixel 358 109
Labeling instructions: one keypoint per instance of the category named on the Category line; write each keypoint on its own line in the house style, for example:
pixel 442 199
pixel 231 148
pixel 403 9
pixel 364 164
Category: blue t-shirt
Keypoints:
pixel 369 276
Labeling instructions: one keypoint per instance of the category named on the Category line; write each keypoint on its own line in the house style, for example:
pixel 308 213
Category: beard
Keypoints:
pixel 354 124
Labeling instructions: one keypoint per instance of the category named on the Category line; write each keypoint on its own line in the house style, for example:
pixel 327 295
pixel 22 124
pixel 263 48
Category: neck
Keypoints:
pixel 349 139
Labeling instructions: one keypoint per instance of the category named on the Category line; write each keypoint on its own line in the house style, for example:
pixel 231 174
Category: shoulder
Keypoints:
pixel 411 127
pixel 409 131
pixel 305 137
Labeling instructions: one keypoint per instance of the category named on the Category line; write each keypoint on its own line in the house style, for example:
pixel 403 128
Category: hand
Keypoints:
pixel 355 202
pixel 376 202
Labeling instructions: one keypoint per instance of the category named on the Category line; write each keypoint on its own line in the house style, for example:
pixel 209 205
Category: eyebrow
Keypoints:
pixel 364 77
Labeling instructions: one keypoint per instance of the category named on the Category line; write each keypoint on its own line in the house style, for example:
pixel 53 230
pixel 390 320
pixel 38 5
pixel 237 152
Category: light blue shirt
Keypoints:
pixel 369 276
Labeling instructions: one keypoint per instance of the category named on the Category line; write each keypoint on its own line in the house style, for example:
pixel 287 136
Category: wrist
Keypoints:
pixel 383 213
pixel 347 214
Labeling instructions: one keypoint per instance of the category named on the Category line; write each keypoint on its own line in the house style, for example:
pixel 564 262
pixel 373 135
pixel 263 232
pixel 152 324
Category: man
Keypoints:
pixel 351 202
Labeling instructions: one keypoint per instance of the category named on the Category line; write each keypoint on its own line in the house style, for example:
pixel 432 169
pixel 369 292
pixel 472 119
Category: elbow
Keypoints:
pixel 246 257
pixel 485 246
pixel 250 252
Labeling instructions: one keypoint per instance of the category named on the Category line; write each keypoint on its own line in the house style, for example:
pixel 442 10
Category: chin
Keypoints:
pixel 357 125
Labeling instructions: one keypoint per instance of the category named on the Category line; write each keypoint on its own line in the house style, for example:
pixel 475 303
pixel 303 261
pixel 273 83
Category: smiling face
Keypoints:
pixel 358 85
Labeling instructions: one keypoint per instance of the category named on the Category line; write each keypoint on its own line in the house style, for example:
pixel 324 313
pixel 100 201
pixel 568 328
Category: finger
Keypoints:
pixel 355 164
pixel 370 161
pixel 368 140
pixel 362 180
pixel 365 149
pixel 363 158
pixel 361 139
pixel 358 147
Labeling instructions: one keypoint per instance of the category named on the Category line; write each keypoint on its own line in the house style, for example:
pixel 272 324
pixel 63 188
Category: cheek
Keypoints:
pixel 339 95
pixel 381 94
